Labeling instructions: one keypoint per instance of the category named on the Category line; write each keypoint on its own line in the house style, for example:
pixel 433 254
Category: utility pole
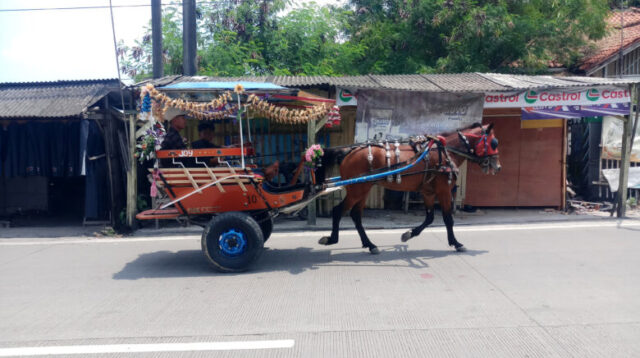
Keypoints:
pixel 628 134
pixel 156 38
pixel 311 140
pixel 189 37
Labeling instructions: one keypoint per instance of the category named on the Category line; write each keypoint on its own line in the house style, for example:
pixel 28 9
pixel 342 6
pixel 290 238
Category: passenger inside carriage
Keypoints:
pixel 174 140
pixel 206 133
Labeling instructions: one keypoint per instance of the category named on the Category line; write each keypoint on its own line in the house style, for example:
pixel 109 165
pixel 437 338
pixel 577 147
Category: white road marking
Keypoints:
pixel 141 348
pixel 350 232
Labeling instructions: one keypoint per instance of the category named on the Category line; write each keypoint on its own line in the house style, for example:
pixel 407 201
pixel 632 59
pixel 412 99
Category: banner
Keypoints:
pixel 345 97
pixel 557 97
pixel 613 178
pixel 400 114
pixel 612 129
pixel 555 112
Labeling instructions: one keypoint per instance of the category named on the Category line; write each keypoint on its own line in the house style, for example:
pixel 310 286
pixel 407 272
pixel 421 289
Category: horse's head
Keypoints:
pixel 482 145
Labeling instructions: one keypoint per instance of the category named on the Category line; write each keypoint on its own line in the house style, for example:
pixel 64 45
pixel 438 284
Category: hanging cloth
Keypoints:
pixel 96 184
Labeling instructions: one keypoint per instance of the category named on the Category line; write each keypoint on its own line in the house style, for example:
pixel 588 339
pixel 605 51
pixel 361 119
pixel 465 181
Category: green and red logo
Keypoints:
pixel 531 97
pixel 345 95
pixel 593 95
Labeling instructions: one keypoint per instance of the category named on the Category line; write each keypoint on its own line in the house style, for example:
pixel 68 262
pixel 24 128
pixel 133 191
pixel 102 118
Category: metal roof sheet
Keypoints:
pixel 405 82
pixel 523 82
pixel 454 82
pixel 299 81
pixel 463 82
pixel 226 85
pixel 51 99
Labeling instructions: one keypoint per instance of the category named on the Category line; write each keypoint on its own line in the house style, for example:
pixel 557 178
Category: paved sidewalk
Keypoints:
pixel 372 219
pixel 397 219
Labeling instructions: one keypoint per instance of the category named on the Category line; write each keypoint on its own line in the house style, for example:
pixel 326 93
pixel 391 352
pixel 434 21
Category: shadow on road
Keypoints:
pixel 191 263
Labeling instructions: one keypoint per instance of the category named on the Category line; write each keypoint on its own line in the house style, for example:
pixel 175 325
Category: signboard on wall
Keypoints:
pixel 576 111
pixel 557 97
pixel 394 115
pixel 345 97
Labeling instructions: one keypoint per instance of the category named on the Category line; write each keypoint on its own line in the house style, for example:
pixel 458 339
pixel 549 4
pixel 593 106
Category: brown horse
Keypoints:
pixel 437 180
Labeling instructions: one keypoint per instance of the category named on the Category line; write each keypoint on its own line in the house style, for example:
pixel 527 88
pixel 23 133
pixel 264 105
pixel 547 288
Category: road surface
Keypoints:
pixel 539 290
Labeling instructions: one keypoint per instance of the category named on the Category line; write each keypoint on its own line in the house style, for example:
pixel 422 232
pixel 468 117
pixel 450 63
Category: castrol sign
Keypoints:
pixel 555 97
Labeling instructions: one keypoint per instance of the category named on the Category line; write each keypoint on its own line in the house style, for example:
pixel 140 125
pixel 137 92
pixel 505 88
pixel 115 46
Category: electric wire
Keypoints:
pixel 85 7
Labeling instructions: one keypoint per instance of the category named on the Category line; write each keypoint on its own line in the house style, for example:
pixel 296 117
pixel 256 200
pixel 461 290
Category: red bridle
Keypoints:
pixel 486 144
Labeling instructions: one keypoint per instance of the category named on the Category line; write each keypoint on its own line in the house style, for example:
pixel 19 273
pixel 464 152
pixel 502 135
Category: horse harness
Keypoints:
pixel 418 144
pixel 485 148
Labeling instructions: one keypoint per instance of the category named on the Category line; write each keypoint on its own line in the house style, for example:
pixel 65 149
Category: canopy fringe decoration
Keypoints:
pixel 222 107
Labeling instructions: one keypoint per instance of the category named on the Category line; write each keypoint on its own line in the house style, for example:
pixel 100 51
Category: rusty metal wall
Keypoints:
pixel 531 161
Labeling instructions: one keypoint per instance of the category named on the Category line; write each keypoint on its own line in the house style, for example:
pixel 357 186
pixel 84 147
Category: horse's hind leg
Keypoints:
pixel 446 203
pixel 428 205
pixel 356 216
pixel 355 193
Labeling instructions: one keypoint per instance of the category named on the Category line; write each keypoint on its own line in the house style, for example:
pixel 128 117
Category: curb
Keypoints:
pixel 194 230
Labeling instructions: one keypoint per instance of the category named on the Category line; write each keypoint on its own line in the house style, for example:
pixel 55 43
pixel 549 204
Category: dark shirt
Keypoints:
pixel 203 144
pixel 173 140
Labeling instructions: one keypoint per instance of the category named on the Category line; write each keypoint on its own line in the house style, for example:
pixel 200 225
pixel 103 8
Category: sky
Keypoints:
pixel 53 45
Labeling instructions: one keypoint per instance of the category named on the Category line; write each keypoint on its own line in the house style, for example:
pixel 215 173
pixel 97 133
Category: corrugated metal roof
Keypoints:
pixel 406 82
pixel 464 82
pixel 51 99
pixel 226 85
pixel 457 83
pixel 299 81
pixel 523 82
pixel 355 82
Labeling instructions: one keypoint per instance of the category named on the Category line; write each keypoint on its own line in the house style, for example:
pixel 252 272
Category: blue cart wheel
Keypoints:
pixel 231 242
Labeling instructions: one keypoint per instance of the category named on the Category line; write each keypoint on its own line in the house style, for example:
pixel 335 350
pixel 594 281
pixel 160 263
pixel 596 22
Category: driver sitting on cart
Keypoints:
pixel 173 140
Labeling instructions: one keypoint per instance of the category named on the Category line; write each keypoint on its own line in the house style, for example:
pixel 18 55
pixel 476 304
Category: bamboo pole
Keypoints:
pixel 132 175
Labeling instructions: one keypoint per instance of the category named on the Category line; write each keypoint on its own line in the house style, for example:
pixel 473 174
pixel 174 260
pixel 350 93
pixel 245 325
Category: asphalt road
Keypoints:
pixel 543 290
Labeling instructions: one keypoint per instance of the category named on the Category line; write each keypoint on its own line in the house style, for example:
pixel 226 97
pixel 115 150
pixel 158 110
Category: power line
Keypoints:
pixel 84 7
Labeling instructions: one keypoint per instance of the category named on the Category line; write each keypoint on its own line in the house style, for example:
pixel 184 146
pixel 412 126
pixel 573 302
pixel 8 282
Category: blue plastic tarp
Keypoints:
pixel 224 86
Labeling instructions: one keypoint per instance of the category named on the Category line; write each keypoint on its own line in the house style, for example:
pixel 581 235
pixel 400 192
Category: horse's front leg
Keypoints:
pixel 336 216
pixel 356 216
pixel 446 203
pixel 428 219
pixel 448 222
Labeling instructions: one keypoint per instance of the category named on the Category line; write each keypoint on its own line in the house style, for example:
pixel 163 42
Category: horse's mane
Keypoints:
pixel 450 133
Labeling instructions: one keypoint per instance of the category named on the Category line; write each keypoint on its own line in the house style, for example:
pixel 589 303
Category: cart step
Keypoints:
pixel 168 213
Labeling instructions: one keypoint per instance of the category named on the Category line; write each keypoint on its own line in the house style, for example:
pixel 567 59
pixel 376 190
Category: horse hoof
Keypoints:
pixel 326 240
pixel 374 250
pixel 406 236
pixel 461 248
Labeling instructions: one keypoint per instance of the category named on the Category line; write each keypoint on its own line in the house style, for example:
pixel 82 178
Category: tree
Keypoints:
pixel 249 37
pixel 136 60
pixel 473 35
pixel 308 41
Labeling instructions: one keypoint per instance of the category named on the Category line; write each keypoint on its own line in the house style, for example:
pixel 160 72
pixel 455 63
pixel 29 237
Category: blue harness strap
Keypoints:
pixel 374 177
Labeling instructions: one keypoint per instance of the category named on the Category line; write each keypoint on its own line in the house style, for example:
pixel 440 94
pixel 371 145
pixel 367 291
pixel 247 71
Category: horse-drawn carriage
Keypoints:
pixel 236 204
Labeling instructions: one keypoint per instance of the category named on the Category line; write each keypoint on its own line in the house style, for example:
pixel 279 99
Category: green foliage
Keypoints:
pixel 249 37
pixel 473 35
pixel 307 42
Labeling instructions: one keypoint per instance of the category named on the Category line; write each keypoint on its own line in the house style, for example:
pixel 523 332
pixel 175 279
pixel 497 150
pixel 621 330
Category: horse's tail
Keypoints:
pixel 331 157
